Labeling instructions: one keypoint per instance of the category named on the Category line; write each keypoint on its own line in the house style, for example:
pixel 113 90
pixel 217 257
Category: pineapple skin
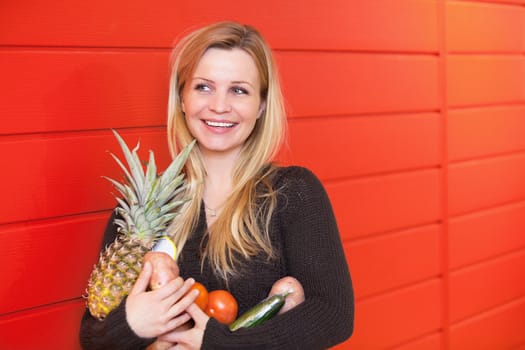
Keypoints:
pixel 114 275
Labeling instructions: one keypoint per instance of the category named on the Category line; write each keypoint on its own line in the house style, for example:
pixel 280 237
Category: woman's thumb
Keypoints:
pixel 143 280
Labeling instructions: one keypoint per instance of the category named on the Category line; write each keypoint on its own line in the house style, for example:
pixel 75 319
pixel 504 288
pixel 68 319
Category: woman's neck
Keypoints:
pixel 218 183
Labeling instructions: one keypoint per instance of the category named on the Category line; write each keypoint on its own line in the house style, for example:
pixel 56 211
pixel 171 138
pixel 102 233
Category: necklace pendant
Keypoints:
pixel 211 212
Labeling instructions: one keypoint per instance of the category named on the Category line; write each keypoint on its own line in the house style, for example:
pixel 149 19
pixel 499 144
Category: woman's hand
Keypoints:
pixel 151 313
pixel 188 336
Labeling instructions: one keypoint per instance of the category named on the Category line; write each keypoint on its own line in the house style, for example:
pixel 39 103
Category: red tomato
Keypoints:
pixel 202 299
pixel 222 306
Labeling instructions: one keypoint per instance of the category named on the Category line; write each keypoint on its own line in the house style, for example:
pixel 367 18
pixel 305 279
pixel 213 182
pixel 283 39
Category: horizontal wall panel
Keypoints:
pixel 358 83
pixel 485 79
pixel 49 328
pixel 431 342
pixel 486 285
pixel 54 258
pixel 91 90
pixel 510 2
pixel 484 234
pixel 477 184
pixel 46 91
pixel 62 175
pixel 482 26
pixel 386 262
pixel 383 203
pixel 371 144
pixel 390 319
pixel 476 132
pixel 501 328
pixel 402 25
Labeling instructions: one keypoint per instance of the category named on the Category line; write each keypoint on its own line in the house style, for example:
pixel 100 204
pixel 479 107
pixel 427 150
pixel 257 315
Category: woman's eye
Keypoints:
pixel 239 90
pixel 202 87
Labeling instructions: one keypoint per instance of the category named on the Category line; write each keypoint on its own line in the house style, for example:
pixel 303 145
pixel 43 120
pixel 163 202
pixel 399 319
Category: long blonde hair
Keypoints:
pixel 241 230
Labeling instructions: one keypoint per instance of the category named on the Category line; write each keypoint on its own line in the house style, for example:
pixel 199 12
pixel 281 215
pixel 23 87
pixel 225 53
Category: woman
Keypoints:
pixel 250 222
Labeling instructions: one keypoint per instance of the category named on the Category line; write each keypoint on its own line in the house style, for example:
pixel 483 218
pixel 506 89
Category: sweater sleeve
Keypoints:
pixel 313 254
pixel 113 332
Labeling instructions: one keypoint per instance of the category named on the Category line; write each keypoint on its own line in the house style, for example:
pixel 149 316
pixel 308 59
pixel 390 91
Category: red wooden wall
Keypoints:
pixel 412 112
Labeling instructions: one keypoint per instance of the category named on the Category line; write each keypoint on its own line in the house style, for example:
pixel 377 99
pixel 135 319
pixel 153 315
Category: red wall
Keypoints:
pixel 412 112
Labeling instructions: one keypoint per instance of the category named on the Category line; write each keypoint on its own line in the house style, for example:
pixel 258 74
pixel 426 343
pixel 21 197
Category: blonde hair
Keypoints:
pixel 241 230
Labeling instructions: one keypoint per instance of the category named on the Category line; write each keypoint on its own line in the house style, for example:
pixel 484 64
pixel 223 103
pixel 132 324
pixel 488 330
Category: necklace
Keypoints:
pixel 212 212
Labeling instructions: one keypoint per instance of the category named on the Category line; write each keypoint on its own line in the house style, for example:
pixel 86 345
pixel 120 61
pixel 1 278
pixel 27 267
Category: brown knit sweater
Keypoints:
pixel 304 233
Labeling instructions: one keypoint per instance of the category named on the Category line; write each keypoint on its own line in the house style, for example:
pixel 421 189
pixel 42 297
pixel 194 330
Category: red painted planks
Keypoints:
pixel 397 317
pixel 48 328
pixel 66 90
pixel 54 258
pixel 92 90
pixel 430 342
pixel 510 2
pixel 358 83
pixel 501 328
pixel 479 184
pixel 365 82
pixel 385 203
pixel 485 234
pixel 485 79
pixel 483 286
pixel 477 132
pixel 61 175
pixel 379 264
pixel 341 147
pixel 402 25
pixel 484 27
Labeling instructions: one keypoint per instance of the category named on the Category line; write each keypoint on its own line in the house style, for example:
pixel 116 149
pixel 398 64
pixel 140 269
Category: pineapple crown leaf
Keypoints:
pixel 153 190
pixel 175 167
pixel 120 223
pixel 126 219
pixel 162 221
pixel 125 190
pixel 135 166
pixel 170 190
pixel 125 170
pixel 123 204
pixel 150 177
pixel 172 205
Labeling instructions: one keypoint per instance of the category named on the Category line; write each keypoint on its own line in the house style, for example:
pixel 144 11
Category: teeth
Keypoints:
pixel 219 124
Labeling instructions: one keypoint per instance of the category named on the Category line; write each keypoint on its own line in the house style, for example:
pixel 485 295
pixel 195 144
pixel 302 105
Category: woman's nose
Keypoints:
pixel 220 103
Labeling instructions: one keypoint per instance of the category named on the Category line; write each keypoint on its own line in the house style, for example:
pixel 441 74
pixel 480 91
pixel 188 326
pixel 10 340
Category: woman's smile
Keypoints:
pixel 219 124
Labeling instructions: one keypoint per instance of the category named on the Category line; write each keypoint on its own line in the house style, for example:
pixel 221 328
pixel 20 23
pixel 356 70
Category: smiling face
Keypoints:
pixel 222 101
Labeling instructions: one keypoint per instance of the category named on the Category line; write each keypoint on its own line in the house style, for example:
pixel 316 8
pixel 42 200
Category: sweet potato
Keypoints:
pixel 165 268
pixel 290 285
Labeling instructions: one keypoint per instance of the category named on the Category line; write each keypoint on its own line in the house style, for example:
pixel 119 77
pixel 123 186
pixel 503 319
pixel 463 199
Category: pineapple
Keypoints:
pixel 149 203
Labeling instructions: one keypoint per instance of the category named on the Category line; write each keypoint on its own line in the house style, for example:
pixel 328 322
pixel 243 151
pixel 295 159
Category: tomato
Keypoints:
pixel 222 306
pixel 202 299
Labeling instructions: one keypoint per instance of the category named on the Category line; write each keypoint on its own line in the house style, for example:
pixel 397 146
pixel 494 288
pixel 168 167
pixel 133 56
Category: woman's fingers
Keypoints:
pixel 182 299
pixel 198 316
pixel 178 321
pixel 142 282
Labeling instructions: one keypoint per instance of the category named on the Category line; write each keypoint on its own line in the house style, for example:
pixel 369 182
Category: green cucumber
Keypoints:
pixel 260 313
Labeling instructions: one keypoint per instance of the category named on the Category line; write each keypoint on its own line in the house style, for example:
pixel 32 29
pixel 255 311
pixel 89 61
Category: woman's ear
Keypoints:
pixel 182 106
pixel 262 108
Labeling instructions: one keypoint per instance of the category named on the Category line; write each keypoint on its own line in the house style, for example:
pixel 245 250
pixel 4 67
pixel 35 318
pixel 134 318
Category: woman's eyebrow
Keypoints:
pixel 242 82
